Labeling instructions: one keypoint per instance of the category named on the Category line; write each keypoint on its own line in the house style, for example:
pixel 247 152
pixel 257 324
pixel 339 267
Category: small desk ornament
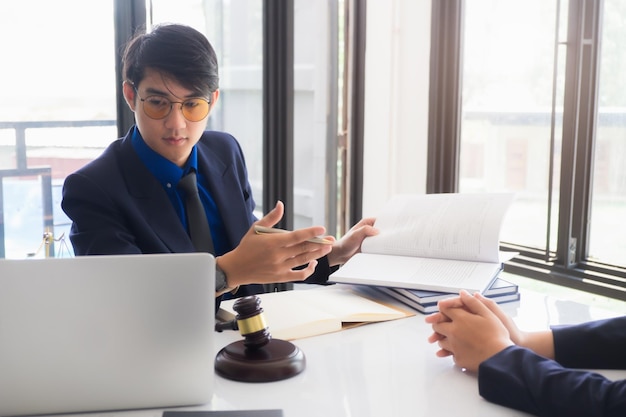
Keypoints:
pixel 257 358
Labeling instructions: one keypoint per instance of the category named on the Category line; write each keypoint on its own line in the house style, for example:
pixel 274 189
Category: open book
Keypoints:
pixel 437 242
pixel 297 314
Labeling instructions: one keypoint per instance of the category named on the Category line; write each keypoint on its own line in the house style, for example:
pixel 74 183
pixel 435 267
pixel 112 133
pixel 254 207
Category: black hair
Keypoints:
pixel 176 50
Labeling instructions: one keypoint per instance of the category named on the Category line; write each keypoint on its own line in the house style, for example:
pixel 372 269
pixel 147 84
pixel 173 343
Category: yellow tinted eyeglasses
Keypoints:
pixel 159 107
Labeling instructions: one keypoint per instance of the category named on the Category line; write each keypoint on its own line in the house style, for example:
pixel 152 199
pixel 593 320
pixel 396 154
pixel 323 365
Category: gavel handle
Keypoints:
pixel 226 325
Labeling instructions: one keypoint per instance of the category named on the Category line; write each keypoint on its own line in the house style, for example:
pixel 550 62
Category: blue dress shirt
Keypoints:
pixel 168 174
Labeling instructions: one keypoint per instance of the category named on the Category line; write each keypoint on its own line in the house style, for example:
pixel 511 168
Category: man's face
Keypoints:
pixel 173 136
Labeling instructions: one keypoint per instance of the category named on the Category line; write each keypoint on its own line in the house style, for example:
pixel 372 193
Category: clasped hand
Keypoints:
pixel 471 329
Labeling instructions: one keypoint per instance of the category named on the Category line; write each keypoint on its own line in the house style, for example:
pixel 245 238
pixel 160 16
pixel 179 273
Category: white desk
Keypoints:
pixel 384 369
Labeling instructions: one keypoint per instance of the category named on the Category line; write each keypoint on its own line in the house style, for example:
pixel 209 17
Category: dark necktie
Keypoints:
pixel 197 222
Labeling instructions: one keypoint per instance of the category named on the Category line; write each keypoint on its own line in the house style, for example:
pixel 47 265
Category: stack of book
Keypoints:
pixel 432 246
pixel 500 291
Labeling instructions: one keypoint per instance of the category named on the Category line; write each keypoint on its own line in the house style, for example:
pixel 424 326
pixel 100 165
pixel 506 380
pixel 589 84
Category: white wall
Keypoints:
pixel 397 62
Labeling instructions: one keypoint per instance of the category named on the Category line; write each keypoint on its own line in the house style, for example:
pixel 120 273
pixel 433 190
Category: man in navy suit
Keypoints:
pixel 127 202
pixel 534 371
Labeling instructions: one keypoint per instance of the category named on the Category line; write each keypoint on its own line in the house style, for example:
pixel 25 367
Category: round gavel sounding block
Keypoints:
pixel 257 358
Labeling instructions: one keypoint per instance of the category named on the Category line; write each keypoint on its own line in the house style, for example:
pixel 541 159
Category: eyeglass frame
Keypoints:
pixel 143 100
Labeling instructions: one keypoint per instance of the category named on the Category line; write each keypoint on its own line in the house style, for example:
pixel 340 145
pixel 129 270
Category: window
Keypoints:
pixel 542 115
pixel 607 239
pixel 315 111
pixel 58 113
pixel 506 110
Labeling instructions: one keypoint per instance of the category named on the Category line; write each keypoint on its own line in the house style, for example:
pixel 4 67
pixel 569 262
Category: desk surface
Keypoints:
pixel 383 369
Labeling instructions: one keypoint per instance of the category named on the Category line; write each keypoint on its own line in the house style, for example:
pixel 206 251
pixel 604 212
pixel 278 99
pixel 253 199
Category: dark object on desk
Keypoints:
pixel 257 358
pixel 229 413
pixel 220 326
pixel 498 287
pixel 500 291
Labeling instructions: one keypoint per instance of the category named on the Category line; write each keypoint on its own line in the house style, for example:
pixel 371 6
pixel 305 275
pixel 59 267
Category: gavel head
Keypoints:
pixel 251 322
pixel 258 357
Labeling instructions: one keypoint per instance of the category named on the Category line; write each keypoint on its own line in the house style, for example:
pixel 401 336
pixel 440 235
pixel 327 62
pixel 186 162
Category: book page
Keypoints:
pixel 287 317
pixel 448 226
pixel 350 305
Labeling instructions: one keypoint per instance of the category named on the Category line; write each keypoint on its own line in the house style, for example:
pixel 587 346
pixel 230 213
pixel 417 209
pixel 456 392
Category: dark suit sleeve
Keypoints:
pixel 118 207
pixel 97 227
pixel 599 344
pixel 321 273
pixel 518 378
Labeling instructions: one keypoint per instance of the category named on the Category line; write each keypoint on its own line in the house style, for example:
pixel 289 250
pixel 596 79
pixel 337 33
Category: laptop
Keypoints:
pixel 98 333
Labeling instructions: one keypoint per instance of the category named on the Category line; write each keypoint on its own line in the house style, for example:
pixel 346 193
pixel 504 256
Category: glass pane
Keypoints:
pixel 235 29
pixel 607 238
pixel 315 101
pixel 57 113
pixel 508 72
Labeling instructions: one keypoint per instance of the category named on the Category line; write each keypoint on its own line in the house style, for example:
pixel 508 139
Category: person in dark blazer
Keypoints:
pixel 542 372
pixel 126 201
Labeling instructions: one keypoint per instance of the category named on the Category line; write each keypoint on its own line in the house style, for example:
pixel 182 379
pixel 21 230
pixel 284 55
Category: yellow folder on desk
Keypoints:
pixel 303 313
